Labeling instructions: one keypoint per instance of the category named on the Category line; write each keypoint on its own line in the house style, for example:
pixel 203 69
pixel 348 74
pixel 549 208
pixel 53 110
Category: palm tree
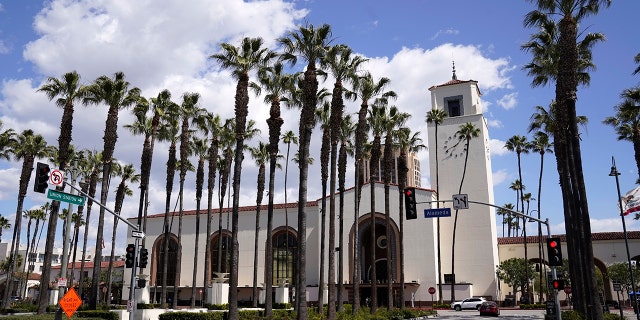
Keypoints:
pixel 626 122
pixel 310 44
pixel 288 137
pixel 210 123
pixel 226 141
pixel 241 60
pixel 394 119
pixel 436 117
pixel 67 90
pixel 344 66
pixel 148 127
pixel 168 131
pixel 366 89
pixel 4 224
pixel 7 138
pixel 407 143
pixel 541 145
pixel 28 146
pixel 92 172
pixel 187 111
pixel 570 57
pixel 36 215
pixel 127 174
pixel 518 187
pixel 261 155
pixel 322 116
pixel 347 129
pixel 276 84
pixel 200 147
pixel 520 145
pixel 465 133
pixel 116 94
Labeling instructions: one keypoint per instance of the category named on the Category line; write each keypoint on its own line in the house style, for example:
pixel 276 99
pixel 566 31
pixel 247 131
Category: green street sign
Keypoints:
pixel 65 197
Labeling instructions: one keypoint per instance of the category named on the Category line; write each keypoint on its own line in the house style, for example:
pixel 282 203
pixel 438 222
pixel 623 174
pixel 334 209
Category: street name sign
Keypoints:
pixel 437 213
pixel 137 234
pixel 65 197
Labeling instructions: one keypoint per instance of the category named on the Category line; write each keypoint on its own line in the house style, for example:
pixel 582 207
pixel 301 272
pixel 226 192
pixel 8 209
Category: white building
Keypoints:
pixel 476 247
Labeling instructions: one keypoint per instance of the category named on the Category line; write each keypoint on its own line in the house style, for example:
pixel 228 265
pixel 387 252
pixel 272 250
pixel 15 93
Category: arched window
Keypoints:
pixel 172 260
pixel 285 251
pixel 221 253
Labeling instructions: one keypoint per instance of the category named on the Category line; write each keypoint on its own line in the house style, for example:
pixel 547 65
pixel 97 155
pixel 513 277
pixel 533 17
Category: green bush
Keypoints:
pixel 572 315
pixel 218 306
pixel 282 306
pixel 531 306
pixel 613 316
pixel 190 316
pixel 100 314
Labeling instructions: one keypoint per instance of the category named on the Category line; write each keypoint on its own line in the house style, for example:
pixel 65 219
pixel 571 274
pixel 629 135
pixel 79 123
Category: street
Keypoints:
pixel 511 314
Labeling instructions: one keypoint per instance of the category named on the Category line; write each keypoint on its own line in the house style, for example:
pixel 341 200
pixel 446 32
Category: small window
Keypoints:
pixel 454 106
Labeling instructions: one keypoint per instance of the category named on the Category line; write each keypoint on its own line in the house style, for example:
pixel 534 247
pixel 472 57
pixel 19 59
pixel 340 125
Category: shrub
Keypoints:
pixel 572 315
pixel 101 314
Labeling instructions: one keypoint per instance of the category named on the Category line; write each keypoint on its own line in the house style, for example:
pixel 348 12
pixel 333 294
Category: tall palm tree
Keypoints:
pixel 323 114
pixel 276 83
pixel 288 137
pixel 67 90
pixel 626 122
pixel 436 117
pixel 188 110
pixel 394 119
pixel 344 66
pixel 520 145
pixel 226 141
pixel 249 56
pixel 148 127
pixel 40 216
pixel 570 56
pixel 116 94
pixel 465 133
pixel 407 142
pixel 367 89
pixel 518 187
pixel 127 174
pixel 541 145
pixel 210 123
pixel 200 147
pixel 261 155
pixel 347 130
pixel 311 45
pixel 92 177
pixel 168 131
pixel 28 146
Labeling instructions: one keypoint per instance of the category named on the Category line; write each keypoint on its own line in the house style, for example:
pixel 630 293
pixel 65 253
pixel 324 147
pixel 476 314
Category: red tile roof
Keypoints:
pixel 599 236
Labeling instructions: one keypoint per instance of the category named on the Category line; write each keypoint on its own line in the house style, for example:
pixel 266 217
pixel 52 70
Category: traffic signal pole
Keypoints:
pixel 554 275
pixel 136 228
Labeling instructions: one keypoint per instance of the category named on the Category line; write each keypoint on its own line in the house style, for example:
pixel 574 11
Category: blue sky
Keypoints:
pixel 165 44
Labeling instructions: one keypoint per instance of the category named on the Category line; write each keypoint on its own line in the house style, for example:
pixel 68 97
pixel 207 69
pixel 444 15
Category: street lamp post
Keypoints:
pixel 614 173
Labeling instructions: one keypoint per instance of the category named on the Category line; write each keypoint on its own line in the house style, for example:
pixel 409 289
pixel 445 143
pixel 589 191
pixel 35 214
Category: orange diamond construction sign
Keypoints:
pixel 70 302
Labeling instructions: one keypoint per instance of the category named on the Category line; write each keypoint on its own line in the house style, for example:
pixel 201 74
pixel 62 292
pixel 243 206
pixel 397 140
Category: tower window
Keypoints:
pixel 454 105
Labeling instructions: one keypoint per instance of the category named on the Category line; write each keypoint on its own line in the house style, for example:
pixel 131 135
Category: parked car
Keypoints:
pixel 471 303
pixel 489 308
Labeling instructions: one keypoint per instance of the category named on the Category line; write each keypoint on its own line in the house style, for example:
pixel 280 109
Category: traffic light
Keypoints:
pixel 144 258
pixel 557 284
pixel 555 252
pixel 42 177
pixel 410 203
pixel 141 283
pixel 130 261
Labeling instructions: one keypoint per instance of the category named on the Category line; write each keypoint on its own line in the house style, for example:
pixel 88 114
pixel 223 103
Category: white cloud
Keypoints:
pixel 499 176
pixel 494 123
pixel 449 31
pixel 508 101
pixel 496 147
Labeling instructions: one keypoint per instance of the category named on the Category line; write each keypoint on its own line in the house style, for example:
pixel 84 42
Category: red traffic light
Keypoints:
pixel 408 192
pixel 558 284
pixel 553 244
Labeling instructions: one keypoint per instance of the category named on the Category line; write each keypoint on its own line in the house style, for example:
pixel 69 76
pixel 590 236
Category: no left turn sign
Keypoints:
pixel 56 177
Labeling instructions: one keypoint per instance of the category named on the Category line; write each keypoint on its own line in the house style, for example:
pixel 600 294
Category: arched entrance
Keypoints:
pixel 378 249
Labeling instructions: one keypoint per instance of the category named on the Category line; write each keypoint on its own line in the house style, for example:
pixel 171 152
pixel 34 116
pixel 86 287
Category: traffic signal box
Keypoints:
pixel 555 252
pixel 144 258
pixel 129 261
pixel 410 203
pixel 42 177
pixel 557 284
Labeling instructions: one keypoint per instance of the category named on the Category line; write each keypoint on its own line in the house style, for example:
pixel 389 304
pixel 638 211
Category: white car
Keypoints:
pixel 471 303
